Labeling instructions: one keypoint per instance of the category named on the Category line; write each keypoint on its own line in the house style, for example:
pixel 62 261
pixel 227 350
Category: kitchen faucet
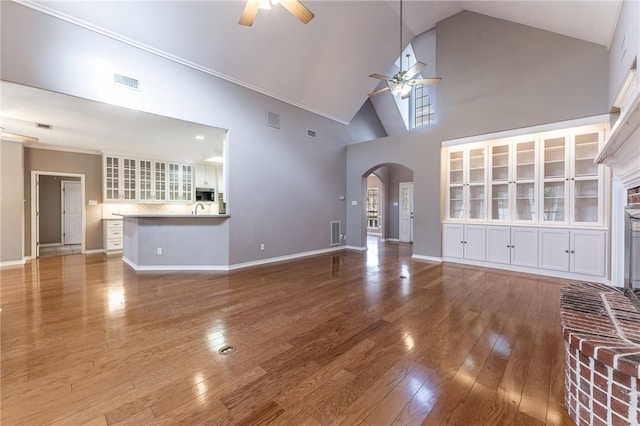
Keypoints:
pixel 195 211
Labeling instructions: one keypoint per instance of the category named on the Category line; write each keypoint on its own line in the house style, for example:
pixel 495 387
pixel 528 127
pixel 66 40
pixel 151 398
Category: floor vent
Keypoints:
pixel 128 82
pixel 335 232
pixel 273 120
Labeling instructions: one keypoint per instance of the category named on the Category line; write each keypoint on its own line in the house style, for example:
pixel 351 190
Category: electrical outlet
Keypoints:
pixel 159 250
pixel 262 246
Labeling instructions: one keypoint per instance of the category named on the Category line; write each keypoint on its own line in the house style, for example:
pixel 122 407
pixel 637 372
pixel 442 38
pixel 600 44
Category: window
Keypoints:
pixel 423 110
pixel 372 208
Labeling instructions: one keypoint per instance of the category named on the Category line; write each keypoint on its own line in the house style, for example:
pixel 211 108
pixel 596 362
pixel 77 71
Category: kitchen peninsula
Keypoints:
pixel 156 242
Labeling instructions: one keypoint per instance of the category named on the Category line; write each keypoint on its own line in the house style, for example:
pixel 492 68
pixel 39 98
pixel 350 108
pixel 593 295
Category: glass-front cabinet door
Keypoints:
pixel 160 181
pixel 554 156
pixel 145 178
pixel 111 178
pixel 499 187
pixel 466 184
pixel 456 184
pixel 524 182
pixel 586 188
pixel 476 186
pixel 129 179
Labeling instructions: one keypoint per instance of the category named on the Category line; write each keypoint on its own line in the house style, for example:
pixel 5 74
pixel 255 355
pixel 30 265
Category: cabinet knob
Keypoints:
pixel 573 178
pixel 572 251
pixel 566 179
pixel 508 246
pixel 566 251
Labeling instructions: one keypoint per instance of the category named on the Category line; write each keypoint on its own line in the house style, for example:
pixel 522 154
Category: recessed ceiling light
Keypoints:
pixel 200 137
pixel 216 159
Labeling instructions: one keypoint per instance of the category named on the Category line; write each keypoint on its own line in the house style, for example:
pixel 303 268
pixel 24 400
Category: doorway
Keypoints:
pixel 57 214
pixel 375 205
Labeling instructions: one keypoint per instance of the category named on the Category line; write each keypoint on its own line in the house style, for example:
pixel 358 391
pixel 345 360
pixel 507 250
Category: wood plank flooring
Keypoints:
pixel 371 338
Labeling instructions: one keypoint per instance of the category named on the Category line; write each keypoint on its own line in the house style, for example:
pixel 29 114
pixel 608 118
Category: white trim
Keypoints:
pixel 282 258
pixel 227 267
pixel 356 248
pixel 15 262
pixel 93 251
pixel 542 128
pixel 393 240
pixel 51 245
pixel 35 145
pixel 428 258
pixel 533 271
pixel 165 55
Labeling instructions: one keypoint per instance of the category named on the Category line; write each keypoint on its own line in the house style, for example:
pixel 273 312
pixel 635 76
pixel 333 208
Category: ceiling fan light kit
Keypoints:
pixel 403 81
pixel 294 7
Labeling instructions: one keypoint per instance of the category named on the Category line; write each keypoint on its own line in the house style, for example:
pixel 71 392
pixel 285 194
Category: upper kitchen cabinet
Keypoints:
pixel 467 183
pixel 120 178
pixel 142 180
pixel 572 183
pixel 206 176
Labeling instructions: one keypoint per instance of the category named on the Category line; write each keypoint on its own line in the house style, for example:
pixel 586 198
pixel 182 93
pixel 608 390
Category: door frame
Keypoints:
pixel 35 201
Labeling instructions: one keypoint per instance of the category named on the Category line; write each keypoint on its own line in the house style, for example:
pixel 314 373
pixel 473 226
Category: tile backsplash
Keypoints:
pixel 109 209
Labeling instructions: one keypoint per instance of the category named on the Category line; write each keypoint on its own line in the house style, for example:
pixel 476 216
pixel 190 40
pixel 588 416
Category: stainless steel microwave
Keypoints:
pixel 205 194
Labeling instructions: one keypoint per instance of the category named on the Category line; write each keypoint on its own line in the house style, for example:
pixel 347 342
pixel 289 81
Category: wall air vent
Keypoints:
pixel 44 126
pixel 273 120
pixel 128 82
pixel 311 133
pixel 335 232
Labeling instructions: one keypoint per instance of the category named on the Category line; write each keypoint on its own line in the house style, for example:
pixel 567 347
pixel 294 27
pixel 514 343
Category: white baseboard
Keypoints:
pixel 283 258
pixel 393 240
pixel 93 251
pixel 15 262
pixel 428 258
pixel 51 245
pixel 356 248
pixel 174 267
pixel 228 267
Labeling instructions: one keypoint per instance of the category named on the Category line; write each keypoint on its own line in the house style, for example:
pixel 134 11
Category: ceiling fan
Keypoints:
pixel 401 83
pixel 294 7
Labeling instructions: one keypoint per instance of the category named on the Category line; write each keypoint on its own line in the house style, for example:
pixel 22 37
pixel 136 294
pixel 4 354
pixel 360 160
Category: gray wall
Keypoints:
pixel 619 64
pixel 11 201
pixel 497 75
pixel 89 165
pixel 283 187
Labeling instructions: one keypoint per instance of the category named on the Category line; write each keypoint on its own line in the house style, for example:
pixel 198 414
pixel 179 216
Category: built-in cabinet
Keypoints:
pixel 533 203
pixel 141 180
pixel 113 234
pixel 207 176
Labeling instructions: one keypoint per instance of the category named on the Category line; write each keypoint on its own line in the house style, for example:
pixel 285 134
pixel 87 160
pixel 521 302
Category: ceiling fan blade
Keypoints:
pixel 298 10
pixel 415 69
pixel 425 81
pixel 382 89
pixel 381 77
pixel 249 13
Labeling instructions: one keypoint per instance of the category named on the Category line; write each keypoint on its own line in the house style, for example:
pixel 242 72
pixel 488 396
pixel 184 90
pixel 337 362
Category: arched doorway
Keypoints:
pixel 392 208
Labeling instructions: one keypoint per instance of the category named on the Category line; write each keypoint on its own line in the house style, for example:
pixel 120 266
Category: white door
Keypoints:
pixel 499 244
pixel 72 212
pixel 36 221
pixel 554 249
pixel 524 247
pixel 406 212
pixel 588 252
pixel 475 242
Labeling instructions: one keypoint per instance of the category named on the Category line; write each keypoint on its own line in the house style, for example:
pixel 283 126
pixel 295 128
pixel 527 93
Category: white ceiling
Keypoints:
pixel 89 126
pixel 322 67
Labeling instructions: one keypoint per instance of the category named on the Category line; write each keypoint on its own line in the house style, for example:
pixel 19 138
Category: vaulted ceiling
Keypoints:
pixel 322 66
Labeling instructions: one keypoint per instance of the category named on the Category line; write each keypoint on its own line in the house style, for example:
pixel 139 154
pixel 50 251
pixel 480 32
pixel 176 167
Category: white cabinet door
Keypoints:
pixel 499 244
pixel 112 178
pixel 453 239
pixel 554 249
pixel 145 180
pixel 524 247
pixel 475 242
pixel 588 252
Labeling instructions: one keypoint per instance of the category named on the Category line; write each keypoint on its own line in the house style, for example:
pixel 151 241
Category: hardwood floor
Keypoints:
pixel 370 338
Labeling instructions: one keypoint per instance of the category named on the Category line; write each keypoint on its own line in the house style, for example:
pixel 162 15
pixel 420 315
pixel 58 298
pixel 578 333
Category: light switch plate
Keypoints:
pixel 93 202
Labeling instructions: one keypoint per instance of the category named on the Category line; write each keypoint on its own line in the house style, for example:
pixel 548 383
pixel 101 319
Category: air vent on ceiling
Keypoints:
pixel 273 119
pixel 128 82
pixel 311 133
pixel 44 126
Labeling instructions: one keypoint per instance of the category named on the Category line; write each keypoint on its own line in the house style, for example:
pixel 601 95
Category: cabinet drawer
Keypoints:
pixel 113 224
pixel 114 245
pixel 114 233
